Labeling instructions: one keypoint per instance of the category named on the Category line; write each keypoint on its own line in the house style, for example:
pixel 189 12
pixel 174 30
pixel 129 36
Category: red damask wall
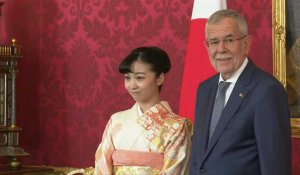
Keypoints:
pixel 69 85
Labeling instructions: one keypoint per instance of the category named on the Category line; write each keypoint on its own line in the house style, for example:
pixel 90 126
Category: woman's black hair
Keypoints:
pixel 155 56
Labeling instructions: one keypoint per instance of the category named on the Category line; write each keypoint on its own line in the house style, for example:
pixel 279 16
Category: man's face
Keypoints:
pixel 227 47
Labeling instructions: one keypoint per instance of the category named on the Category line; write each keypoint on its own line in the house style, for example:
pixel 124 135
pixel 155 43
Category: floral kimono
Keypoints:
pixel 157 142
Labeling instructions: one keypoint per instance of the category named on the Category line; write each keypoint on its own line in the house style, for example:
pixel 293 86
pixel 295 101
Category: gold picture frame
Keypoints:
pixel 279 51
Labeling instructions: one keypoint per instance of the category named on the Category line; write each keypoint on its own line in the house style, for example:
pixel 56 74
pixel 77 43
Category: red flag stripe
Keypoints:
pixel 197 65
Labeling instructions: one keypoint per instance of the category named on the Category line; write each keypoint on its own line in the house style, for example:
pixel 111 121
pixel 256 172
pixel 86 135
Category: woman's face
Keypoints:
pixel 143 84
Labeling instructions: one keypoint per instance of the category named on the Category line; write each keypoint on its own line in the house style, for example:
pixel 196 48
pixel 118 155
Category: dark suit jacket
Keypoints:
pixel 253 136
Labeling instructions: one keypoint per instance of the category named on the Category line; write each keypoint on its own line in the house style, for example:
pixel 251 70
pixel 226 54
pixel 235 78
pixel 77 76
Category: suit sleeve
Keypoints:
pixel 273 132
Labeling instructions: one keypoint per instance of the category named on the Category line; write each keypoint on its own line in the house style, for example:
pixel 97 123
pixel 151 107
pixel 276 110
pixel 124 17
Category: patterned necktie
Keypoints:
pixel 218 106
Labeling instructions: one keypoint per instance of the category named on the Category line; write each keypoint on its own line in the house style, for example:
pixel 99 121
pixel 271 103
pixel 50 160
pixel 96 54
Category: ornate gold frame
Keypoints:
pixel 279 51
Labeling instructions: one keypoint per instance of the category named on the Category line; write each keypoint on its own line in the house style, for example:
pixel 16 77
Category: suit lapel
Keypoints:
pixel 209 112
pixel 236 98
pixel 203 118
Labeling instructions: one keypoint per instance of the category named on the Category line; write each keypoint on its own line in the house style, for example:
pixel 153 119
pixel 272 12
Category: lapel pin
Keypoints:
pixel 241 95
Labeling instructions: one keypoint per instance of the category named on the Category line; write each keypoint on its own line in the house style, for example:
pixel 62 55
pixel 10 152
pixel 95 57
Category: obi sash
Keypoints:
pixel 138 158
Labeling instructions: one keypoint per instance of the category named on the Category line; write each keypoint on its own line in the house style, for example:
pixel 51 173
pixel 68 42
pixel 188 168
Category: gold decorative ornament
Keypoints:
pixel 279 52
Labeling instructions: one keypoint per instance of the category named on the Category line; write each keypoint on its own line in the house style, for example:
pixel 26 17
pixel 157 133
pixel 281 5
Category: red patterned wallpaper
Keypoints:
pixel 296 156
pixel 69 85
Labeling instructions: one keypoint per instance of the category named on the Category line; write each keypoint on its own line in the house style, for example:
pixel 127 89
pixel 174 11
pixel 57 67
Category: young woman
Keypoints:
pixel 149 138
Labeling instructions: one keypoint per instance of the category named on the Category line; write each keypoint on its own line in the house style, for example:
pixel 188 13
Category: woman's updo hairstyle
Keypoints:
pixel 155 56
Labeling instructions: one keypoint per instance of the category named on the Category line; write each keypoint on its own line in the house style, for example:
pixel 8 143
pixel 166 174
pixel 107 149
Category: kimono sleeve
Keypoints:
pixel 103 156
pixel 177 153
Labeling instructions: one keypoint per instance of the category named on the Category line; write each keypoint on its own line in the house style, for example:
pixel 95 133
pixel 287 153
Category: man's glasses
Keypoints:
pixel 228 42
